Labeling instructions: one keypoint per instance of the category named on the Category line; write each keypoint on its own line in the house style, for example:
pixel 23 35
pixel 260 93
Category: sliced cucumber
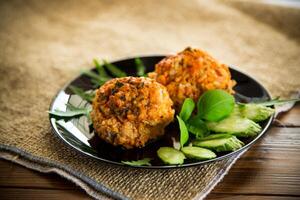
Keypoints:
pixel 255 112
pixel 170 155
pixel 216 136
pixel 236 125
pixel 220 144
pixel 198 153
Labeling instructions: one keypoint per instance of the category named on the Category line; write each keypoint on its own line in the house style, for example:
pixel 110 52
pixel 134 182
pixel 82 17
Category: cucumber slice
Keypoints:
pixel 221 144
pixel 198 153
pixel 236 125
pixel 255 112
pixel 216 136
pixel 170 155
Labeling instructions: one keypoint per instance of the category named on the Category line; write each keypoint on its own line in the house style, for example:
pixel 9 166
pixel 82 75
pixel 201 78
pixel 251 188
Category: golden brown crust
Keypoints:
pixel 130 111
pixel 190 73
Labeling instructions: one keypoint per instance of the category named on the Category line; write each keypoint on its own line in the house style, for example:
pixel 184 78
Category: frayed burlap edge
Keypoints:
pixel 91 187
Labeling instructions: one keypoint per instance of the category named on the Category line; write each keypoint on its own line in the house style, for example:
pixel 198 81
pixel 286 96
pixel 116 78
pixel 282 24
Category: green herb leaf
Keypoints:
pixel 277 102
pixel 88 96
pixel 215 105
pixel 100 69
pixel 142 162
pixel 140 67
pixel 197 126
pixel 114 70
pixel 184 134
pixel 98 80
pixel 187 109
pixel 72 112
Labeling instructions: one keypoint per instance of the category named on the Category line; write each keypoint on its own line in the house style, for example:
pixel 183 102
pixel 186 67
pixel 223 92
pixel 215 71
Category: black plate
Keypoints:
pixel 76 131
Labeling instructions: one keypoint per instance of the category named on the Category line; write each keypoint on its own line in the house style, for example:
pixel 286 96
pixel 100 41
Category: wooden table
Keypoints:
pixel 269 170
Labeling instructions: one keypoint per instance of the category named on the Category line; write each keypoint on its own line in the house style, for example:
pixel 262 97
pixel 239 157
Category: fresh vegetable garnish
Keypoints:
pixel 184 134
pixel 198 153
pixel 187 109
pixel 197 126
pixel 114 70
pixel 100 69
pixel 215 105
pixel 170 155
pixel 140 67
pixel 142 162
pixel 277 102
pixel 220 143
pixel 255 112
pixel 88 96
pixel 71 112
pixel 236 125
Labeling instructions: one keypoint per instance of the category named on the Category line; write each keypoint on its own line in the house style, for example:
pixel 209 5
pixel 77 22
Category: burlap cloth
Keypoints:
pixel 45 44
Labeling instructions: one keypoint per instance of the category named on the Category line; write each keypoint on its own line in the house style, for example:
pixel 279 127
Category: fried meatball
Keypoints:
pixel 130 111
pixel 190 73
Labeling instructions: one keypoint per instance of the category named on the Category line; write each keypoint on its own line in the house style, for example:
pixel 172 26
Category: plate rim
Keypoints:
pixel 194 164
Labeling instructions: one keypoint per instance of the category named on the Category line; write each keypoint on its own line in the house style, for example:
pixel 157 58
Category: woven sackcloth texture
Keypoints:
pixel 44 44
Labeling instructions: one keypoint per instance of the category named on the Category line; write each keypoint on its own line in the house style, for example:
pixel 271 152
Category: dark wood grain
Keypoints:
pixel 269 170
pixel 38 194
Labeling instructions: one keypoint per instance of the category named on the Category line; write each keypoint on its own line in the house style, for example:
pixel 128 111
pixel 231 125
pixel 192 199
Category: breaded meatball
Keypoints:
pixel 190 73
pixel 130 111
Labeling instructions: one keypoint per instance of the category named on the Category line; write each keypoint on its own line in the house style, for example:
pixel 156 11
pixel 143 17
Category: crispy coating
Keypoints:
pixel 130 111
pixel 190 73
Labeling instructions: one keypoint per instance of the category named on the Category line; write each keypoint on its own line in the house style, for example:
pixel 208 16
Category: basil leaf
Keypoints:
pixel 197 126
pixel 184 134
pixel 88 96
pixel 140 67
pixel 215 105
pixel 187 109
pixel 114 70
pixel 145 161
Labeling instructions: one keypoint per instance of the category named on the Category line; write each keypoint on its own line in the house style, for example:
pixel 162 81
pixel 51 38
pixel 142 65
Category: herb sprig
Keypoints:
pixel 142 162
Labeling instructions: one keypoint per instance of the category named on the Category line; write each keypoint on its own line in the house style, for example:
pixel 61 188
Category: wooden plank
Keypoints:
pixel 248 197
pixel 290 118
pixel 13 175
pixel 269 167
pixel 38 194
